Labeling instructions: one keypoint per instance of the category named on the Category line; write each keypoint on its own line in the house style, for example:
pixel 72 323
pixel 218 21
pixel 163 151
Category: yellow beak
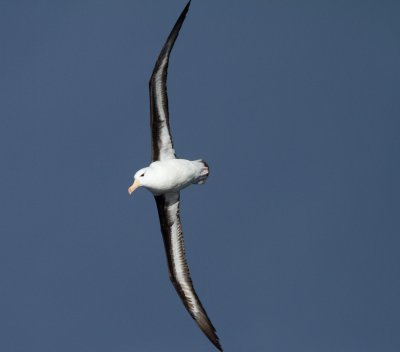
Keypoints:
pixel 134 185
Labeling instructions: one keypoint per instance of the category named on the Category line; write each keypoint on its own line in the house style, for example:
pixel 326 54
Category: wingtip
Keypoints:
pixel 204 323
pixel 186 9
pixel 217 344
pixel 166 49
pixel 213 337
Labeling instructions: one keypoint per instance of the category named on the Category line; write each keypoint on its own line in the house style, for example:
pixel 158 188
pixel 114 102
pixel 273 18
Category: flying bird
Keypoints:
pixel 165 177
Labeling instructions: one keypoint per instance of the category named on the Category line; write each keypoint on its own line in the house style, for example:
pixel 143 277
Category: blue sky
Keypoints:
pixel 293 242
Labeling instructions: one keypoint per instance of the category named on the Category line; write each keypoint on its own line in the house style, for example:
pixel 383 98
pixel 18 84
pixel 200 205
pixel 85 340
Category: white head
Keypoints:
pixel 140 180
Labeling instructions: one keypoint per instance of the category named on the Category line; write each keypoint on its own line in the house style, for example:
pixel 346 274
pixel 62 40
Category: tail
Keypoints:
pixel 203 172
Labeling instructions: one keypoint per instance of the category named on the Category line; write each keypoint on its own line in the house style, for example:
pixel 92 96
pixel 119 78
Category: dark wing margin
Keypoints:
pixel 162 146
pixel 171 228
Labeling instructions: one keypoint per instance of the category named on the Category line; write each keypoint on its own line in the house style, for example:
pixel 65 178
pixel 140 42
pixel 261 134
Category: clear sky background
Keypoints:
pixel 293 243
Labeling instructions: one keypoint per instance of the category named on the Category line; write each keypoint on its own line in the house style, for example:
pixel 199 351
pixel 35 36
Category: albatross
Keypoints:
pixel 165 177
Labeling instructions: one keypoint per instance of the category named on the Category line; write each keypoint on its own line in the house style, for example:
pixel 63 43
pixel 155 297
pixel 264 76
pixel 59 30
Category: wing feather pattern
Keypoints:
pixel 171 228
pixel 162 145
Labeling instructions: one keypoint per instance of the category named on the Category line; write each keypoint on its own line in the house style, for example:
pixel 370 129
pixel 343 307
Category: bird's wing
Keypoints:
pixel 171 228
pixel 162 146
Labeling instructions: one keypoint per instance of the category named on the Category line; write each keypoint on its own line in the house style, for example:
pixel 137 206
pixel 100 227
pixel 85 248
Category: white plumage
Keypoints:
pixel 171 175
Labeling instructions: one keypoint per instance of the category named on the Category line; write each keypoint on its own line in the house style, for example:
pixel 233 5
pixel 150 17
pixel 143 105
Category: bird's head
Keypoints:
pixel 139 180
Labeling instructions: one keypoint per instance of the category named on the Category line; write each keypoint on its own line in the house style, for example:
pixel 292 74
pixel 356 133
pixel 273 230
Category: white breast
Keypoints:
pixel 170 175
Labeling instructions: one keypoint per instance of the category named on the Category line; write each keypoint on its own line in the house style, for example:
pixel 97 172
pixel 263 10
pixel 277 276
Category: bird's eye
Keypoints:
pixel 142 174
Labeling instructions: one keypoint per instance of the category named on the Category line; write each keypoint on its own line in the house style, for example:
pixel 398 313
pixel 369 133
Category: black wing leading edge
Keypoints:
pixel 171 228
pixel 162 146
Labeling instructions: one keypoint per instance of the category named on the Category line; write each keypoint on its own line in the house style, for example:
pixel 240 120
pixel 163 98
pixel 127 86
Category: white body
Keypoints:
pixel 172 175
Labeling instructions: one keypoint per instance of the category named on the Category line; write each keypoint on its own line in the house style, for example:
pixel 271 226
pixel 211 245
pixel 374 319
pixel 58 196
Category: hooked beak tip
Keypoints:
pixel 134 185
